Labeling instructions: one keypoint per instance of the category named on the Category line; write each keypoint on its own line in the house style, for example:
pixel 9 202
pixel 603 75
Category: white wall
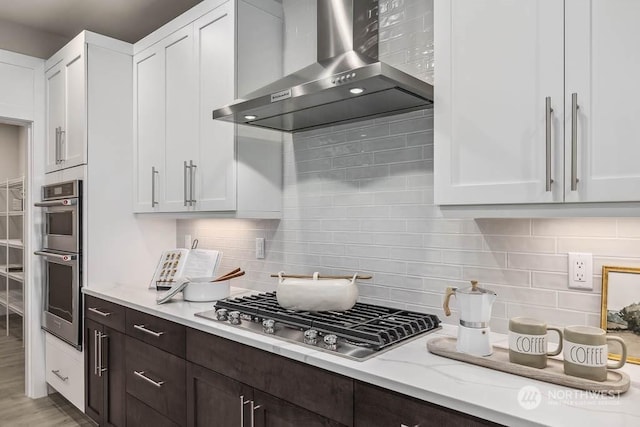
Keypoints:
pixel 359 197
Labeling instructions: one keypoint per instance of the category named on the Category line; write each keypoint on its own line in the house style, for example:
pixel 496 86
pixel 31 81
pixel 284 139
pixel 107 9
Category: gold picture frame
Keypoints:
pixel 620 310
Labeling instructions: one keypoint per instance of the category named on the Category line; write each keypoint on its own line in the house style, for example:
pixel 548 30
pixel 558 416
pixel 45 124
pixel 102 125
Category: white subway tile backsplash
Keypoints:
pixel 413 254
pixel 521 244
pixel 485 259
pixel 538 297
pixel 628 227
pixel 398 155
pixel 580 301
pixel 452 241
pixel 504 226
pixel 359 197
pixel 538 262
pixel 623 248
pixel 592 227
pixel 434 270
pixel 559 281
pixel 497 276
pixel 553 316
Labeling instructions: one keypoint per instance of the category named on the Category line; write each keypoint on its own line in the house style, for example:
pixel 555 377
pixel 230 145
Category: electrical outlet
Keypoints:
pixel 187 241
pixel 580 271
pixel 259 247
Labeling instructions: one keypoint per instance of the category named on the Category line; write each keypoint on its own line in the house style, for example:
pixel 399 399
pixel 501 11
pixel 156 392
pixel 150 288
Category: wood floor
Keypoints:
pixel 15 408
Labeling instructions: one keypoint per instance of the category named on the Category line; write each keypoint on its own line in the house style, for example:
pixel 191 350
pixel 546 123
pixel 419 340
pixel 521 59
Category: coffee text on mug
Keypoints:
pixel 586 355
pixel 527 344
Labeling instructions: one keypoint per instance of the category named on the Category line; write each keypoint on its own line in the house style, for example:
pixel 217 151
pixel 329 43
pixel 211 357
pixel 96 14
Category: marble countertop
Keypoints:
pixel 410 369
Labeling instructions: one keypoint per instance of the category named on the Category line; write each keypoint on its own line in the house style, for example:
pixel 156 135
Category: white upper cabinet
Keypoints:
pixel 505 75
pixel 148 87
pixel 66 107
pixel 185 160
pixel 602 68
pixel 214 177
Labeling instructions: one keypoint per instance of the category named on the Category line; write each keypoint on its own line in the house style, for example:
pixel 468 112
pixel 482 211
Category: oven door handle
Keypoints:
pixel 61 202
pixel 61 257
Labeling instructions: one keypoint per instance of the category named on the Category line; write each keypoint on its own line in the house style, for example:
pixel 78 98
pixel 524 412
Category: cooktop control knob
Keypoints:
pixel 234 318
pixel 221 314
pixel 268 326
pixel 311 337
pixel 331 342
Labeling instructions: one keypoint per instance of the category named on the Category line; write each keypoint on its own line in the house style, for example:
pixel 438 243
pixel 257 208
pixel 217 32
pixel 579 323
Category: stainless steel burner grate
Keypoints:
pixel 365 324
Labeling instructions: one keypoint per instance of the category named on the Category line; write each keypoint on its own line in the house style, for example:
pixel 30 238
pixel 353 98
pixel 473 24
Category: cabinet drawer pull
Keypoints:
pixel 96 311
pixel 185 182
pixel 56 372
pixel 574 142
pixel 154 172
pixel 407 425
pixel 148 331
pixel 548 111
pixel 242 403
pixel 254 408
pixel 140 374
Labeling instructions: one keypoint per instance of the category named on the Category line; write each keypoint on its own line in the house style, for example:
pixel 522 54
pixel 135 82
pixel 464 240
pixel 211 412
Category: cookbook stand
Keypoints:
pixel 617 382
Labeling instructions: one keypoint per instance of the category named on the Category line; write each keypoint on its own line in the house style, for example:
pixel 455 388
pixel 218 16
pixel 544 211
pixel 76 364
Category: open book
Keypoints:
pixel 178 263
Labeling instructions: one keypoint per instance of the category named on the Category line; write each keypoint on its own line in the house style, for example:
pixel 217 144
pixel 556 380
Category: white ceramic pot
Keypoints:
pixel 201 289
pixel 317 294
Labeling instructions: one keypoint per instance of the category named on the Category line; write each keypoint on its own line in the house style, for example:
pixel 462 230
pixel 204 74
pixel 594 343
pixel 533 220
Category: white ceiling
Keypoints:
pixel 40 27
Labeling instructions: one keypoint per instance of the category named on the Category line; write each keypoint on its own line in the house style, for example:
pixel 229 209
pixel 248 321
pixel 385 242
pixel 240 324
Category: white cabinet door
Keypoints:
pixel 66 109
pixel 149 131
pixel 181 118
pixel 215 176
pixel 55 82
pixel 602 70
pixel 497 63
pixel 74 138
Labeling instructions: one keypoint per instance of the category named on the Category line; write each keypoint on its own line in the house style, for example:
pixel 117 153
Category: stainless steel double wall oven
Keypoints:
pixel 62 256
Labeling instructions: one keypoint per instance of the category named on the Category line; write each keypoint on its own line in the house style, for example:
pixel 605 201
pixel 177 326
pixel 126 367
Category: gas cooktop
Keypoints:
pixel 359 333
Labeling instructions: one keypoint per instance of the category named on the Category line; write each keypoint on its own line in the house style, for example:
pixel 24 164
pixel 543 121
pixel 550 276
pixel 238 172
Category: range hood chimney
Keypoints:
pixel 347 83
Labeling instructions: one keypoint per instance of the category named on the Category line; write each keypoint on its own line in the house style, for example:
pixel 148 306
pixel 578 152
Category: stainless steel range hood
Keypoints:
pixel 346 84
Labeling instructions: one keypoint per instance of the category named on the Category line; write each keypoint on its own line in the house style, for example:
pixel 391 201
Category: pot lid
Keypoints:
pixel 474 289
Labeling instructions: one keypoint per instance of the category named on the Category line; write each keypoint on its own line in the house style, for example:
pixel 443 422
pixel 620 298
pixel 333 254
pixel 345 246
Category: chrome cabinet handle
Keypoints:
pixel 63 158
pixel 192 170
pixel 185 182
pixel 141 375
pixel 98 312
pixel 60 257
pixel 148 331
pixel 57 148
pixel 95 352
pixel 548 111
pixel 253 411
pixel 574 142
pixel 61 202
pixel 56 372
pixel 154 172
pixel 242 403
pixel 101 368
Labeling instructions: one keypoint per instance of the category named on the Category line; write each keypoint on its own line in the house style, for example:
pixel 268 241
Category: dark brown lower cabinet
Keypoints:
pixel 104 378
pixel 303 387
pixel 269 411
pixel 214 400
pixel 157 379
pixel 377 407
pixel 141 415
